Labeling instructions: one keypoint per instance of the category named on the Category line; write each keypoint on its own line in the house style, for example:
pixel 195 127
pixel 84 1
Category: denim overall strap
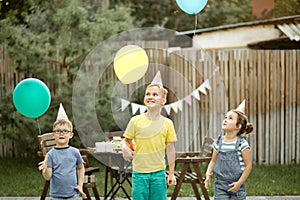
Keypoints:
pixel 219 142
pixel 228 164
pixel 238 142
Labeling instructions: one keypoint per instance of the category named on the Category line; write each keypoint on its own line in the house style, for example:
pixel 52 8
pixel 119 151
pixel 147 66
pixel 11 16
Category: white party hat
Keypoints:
pixel 242 107
pixel 61 113
pixel 157 80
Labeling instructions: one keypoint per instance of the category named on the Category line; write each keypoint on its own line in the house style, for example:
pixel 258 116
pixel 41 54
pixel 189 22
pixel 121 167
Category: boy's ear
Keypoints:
pixel 164 101
pixel 71 134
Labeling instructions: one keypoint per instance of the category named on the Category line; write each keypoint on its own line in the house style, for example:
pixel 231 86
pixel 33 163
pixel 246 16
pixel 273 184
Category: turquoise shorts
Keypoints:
pixel 149 186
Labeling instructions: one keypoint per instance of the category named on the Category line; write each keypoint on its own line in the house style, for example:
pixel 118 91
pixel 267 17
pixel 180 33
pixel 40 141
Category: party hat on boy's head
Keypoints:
pixel 61 113
pixel 241 108
pixel 157 80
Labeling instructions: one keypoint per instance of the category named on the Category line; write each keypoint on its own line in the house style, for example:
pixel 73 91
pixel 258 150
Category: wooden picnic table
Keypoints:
pixel 190 173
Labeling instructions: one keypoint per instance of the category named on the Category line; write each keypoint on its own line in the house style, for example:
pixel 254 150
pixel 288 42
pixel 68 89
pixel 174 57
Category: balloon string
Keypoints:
pixel 38 123
pixel 196 22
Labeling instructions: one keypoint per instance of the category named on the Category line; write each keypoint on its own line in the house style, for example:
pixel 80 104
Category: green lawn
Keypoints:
pixel 20 177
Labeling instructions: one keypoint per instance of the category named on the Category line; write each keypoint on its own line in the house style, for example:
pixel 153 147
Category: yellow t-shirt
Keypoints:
pixel 150 139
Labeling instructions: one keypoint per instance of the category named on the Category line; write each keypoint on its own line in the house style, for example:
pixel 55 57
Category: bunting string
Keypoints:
pixel 175 106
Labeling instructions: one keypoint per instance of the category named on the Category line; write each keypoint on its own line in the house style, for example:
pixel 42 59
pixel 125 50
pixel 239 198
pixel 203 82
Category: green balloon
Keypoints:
pixel 31 98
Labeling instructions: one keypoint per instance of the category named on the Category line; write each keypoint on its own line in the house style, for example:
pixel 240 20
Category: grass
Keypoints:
pixel 20 177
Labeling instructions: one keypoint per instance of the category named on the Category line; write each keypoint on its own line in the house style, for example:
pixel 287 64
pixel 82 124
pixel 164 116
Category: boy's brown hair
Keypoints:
pixel 63 122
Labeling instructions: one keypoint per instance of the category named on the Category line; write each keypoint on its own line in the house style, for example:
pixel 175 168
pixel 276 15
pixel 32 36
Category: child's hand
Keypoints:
pixel 79 188
pixel 171 180
pixel 235 187
pixel 127 152
pixel 43 164
pixel 207 180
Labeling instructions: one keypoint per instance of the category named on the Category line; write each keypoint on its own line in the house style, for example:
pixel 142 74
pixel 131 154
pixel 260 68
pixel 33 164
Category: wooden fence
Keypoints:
pixel 267 79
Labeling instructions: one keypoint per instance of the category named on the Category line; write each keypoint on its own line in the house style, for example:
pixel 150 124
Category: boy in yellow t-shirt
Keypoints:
pixel 153 135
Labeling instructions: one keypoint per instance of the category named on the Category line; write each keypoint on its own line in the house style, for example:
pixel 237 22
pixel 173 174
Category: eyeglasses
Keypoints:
pixel 58 132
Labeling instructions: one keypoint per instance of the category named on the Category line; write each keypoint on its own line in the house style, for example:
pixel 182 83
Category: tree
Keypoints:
pixel 166 13
pixel 284 8
pixel 50 43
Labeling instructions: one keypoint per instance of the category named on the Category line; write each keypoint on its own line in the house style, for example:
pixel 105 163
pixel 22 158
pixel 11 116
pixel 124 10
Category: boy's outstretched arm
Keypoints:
pixel 171 155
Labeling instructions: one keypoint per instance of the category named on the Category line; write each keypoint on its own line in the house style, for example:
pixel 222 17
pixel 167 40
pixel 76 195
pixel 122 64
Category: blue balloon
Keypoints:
pixel 191 7
pixel 31 98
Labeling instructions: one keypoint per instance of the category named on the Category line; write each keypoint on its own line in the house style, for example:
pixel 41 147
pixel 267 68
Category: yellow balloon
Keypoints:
pixel 130 63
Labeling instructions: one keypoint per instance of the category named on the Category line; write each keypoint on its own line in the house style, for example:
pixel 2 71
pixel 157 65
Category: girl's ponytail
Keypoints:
pixel 249 128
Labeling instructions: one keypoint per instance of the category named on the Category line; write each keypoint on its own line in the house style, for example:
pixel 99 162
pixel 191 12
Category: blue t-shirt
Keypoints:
pixel 63 162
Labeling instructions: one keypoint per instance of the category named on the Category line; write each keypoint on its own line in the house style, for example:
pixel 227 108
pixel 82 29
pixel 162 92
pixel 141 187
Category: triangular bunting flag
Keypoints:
pixel 124 104
pixel 188 99
pixel 134 107
pixel 202 89
pixel 168 109
pixel 179 104
pixel 143 109
pixel 206 84
pixel 174 107
pixel 195 94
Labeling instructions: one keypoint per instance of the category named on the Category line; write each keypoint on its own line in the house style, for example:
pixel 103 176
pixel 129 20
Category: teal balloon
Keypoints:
pixel 31 98
pixel 191 7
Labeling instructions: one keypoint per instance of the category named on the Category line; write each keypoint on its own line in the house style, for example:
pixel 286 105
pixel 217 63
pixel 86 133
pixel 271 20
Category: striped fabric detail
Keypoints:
pixel 231 146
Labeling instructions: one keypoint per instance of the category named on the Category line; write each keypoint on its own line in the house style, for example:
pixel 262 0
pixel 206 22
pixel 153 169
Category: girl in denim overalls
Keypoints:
pixel 231 159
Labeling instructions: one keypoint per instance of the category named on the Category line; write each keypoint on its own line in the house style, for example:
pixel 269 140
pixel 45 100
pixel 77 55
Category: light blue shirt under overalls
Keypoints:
pixel 227 171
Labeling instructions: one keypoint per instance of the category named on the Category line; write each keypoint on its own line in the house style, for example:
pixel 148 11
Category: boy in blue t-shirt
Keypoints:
pixel 63 164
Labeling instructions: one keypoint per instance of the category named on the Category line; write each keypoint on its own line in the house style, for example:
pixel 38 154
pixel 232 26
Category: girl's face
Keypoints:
pixel 229 122
pixel 154 97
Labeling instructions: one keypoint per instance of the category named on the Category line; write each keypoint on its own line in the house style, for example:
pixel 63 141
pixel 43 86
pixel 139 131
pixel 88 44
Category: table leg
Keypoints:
pixel 45 190
pixel 200 178
pixel 125 192
pixel 194 185
pixel 106 180
pixel 120 181
pixel 180 180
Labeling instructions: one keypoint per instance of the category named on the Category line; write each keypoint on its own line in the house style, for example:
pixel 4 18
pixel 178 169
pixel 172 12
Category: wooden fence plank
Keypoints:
pixel 282 108
pixel 278 104
pixel 287 110
pixel 292 64
pixel 297 132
